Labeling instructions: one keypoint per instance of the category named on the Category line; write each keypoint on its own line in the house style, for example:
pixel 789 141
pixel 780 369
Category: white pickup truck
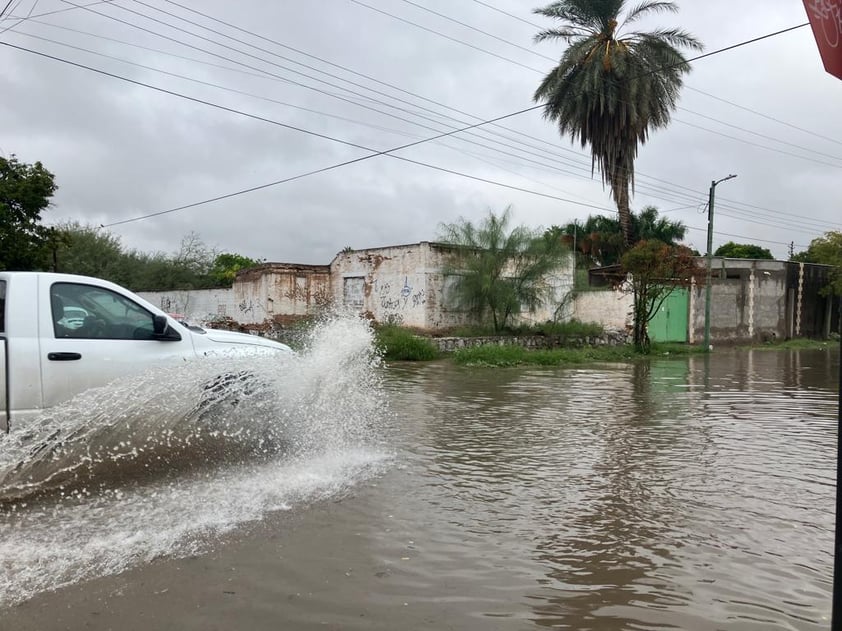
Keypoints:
pixel 62 334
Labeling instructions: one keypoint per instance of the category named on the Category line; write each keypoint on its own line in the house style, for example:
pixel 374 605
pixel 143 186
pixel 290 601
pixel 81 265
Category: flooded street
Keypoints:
pixel 688 493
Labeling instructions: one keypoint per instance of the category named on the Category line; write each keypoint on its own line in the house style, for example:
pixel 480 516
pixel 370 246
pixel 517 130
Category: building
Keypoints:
pixel 751 301
pixel 401 284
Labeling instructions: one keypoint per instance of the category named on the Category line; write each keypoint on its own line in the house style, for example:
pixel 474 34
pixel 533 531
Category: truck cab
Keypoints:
pixel 62 334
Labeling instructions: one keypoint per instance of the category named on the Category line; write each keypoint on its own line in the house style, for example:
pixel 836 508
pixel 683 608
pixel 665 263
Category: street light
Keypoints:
pixel 710 258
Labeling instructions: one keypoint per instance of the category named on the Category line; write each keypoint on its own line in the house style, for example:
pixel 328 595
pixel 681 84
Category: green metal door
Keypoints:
pixel 671 321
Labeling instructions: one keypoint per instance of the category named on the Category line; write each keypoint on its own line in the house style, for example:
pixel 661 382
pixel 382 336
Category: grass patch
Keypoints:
pixel 397 343
pixel 490 355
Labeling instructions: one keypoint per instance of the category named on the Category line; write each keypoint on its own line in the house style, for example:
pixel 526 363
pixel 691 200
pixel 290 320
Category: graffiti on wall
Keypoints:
pixel 393 300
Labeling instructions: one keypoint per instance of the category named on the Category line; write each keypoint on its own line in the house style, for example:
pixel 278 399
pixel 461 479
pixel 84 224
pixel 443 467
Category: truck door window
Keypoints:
pixel 87 311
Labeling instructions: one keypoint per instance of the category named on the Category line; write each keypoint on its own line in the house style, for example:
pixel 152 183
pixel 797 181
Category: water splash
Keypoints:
pixel 159 463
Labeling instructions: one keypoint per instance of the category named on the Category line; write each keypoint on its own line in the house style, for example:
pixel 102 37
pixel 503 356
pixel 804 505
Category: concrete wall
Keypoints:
pixel 267 292
pixel 391 284
pixel 611 308
pixel 199 305
pixel 280 290
pixel 748 302
pixel 405 285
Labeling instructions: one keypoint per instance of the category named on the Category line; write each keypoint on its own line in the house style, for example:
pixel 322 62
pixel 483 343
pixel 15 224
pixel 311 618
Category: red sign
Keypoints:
pixel 826 20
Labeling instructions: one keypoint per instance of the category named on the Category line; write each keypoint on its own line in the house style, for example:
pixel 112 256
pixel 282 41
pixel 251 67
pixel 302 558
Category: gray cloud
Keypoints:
pixel 120 150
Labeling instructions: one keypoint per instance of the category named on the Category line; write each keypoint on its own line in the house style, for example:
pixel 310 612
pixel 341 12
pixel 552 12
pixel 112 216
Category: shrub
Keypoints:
pixel 397 343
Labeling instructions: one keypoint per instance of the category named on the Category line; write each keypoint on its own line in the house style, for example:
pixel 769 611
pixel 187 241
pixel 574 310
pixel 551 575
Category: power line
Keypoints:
pixel 766 116
pixel 540 164
pixel 11 26
pixel 6 7
pixel 478 30
pixel 742 236
pixel 755 144
pixel 754 133
pixel 375 153
pixel 219 87
pixel 687 87
pixel 359 85
pixel 316 89
pixel 440 34
pixel 38 15
pixel 511 15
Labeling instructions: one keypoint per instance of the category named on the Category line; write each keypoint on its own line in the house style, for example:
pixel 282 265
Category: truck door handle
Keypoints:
pixel 63 357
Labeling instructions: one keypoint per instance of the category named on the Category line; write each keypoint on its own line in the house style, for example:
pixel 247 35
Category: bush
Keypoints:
pixel 572 328
pixel 397 343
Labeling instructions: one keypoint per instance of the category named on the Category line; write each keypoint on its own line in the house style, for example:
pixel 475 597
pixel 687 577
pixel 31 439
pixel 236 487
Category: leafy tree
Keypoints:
pixel 611 88
pixel 25 192
pixel 655 270
pixel 91 251
pixel 226 265
pixel 500 272
pixel 826 250
pixel 599 240
pixel 733 250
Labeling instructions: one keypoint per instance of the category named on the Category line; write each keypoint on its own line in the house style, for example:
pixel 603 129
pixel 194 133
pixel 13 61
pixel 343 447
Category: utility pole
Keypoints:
pixel 710 258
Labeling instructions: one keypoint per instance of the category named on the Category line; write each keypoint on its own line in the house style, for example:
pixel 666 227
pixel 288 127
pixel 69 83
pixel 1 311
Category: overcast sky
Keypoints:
pixel 346 69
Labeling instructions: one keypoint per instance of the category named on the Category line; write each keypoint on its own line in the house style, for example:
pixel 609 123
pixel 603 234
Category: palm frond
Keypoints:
pixel 650 6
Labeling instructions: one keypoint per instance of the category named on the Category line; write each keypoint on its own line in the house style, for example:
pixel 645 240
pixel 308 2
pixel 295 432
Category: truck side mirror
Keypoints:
pixel 161 329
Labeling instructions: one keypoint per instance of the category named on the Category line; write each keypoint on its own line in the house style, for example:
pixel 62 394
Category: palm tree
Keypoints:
pixel 610 88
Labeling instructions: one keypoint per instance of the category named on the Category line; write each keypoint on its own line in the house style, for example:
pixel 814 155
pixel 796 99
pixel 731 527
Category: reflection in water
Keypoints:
pixel 692 493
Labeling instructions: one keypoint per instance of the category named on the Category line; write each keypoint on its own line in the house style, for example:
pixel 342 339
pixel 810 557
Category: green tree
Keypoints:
pixel 611 88
pixel 599 240
pixel 226 266
pixel 25 192
pixel 655 270
pixel 826 250
pixel 733 250
pixel 91 251
pixel 498 273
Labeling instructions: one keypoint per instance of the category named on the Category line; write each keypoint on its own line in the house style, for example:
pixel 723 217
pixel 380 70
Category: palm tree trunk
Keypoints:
pixel 620 190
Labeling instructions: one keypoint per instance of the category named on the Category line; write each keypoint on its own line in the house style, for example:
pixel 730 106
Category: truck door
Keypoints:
pixel 91 335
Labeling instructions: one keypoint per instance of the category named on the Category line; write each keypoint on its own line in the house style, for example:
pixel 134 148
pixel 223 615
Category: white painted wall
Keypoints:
pixel 199 305
pixel 404 284
pixel 611 308
pixel 392 284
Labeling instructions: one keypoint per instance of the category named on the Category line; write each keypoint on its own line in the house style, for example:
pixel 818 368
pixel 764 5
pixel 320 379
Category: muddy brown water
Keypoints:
pixel 692 493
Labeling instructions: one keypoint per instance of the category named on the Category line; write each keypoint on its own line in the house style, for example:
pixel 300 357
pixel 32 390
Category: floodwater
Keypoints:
pixel 687 493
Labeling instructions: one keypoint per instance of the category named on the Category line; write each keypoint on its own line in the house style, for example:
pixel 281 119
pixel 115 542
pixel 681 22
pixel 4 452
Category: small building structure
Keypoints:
pixel 262 295
pixel 752 300
pixel 755 300
pixel 407 285
pixel 400 284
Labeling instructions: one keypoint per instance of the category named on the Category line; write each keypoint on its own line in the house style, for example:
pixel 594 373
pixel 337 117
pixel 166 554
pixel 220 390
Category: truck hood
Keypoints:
pixel 231 337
